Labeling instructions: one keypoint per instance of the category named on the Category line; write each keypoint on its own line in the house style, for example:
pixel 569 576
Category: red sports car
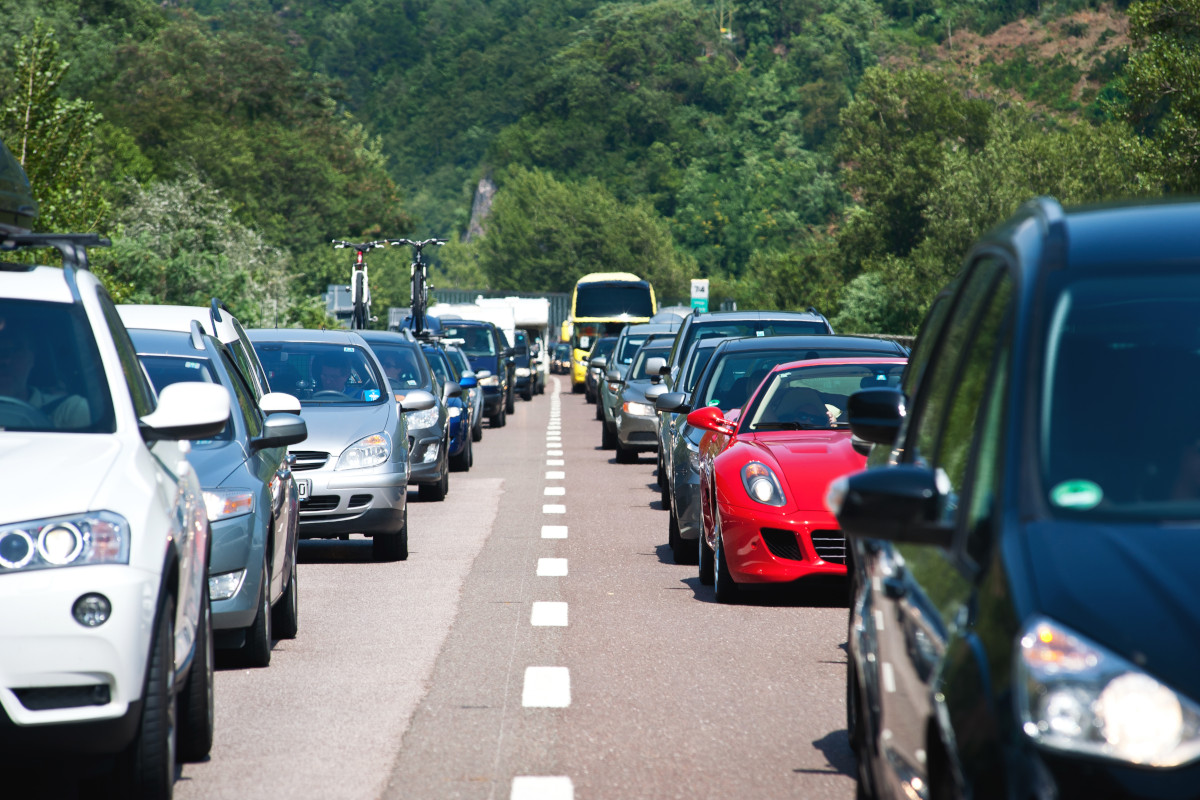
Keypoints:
pixel 765 470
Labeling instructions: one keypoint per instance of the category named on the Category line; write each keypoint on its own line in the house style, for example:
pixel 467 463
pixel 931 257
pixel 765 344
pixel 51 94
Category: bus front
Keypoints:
pixel 601 305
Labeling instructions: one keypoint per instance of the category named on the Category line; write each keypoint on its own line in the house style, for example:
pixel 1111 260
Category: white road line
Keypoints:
pixel 555 462
pixel 555 475
pixel 552 567
pixel 554 452
pixel 548 614
pixel 554 531
pixel 889 677
pixel 542 787
pixel 547 687
pixel 555 491
pixel 878 619
pixel 551 508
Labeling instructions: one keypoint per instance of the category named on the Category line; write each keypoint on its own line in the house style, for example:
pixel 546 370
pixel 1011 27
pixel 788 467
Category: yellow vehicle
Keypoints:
pixel 601 305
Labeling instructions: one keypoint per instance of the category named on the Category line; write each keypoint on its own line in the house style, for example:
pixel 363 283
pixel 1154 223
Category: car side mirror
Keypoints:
pixel 656 366
pixel 468 382
pixel 904 503
pixel 187 411
pixel 672 403
pixel 280 431
pixel 614 376
pixel 416 400
pixel 451 389
pixel 710 418
pixel 599 362
pixel 279 403
pixel 509 352
pixel 483 373
pixel 875 414
pixel 654 392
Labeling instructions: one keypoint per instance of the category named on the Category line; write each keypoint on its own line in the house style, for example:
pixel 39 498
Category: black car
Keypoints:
pixel 597 361
pixel 1027 619
pixel 491 358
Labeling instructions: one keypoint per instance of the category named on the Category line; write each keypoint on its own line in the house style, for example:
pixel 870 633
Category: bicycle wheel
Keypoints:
pixel 418 298
pixel 359 320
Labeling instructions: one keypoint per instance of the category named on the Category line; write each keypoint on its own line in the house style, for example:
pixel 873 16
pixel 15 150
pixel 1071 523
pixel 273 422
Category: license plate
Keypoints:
pixel 303 487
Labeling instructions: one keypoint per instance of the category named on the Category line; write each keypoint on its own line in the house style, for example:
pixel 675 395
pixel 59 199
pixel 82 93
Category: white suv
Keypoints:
pixel 105 627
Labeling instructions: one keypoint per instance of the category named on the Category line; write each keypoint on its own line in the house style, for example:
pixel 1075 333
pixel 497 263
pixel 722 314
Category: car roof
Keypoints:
pixel 822 341
pixel 153 341
pixel 20 282
pixel 177 318
pixel 387 337
pixel 653 327
pixel 735 316
pixel 812 362
pixel 304 335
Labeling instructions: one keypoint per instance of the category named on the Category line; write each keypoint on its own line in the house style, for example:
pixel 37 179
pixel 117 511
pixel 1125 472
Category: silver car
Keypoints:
pixel 633 413
pixel 630 339
pixel 353 474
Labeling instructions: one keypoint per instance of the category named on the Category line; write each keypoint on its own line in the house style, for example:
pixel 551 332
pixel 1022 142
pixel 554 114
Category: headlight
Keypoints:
pixel 225 503
pixel 97 538
pixel 421 419
pixel 638 409
pixel 454 411
pixel 490 380
pixel 614 387
pixel 369 451
pixel 1075 696
pixel 225 585
pixel 522 372
pixel 761 484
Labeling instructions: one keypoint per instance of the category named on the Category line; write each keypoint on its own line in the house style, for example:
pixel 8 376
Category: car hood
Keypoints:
pixel 635 391
pixel 1131 588
pixel 810 460
pixel 47 475
pixel 215 462
pixel 334 428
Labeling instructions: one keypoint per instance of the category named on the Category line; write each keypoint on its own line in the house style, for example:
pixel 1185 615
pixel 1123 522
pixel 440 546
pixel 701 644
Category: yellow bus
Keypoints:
pixel 601 304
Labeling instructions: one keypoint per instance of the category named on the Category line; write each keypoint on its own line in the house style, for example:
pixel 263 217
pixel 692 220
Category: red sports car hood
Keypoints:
pixel 808 461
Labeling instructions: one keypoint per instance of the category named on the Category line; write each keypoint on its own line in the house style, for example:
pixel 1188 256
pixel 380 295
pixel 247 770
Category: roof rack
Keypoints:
pixel 1054 223
pixel 197 335
pixel 72 247
pixel 813 310
pixel 214 312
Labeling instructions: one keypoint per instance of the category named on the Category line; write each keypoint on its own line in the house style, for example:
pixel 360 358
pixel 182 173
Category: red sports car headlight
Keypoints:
pixel 761 484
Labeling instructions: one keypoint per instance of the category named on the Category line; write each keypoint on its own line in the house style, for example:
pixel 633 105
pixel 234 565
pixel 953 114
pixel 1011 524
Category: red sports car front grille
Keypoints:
pixel 782 543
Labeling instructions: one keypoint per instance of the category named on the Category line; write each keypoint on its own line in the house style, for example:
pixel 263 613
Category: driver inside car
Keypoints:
pixel 331 372
pixel 17 360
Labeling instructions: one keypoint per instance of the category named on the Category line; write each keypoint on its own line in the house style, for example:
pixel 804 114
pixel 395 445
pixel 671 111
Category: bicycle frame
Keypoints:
pixel 417 272
pixel 360 285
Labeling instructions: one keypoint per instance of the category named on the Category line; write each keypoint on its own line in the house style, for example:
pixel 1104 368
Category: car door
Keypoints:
pixel 923 591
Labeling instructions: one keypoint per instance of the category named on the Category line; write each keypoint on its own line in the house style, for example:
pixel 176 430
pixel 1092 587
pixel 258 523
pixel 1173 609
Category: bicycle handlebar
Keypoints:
pixel 418 245
pixel 338 244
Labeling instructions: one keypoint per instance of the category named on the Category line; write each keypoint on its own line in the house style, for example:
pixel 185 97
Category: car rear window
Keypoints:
pixel 732 377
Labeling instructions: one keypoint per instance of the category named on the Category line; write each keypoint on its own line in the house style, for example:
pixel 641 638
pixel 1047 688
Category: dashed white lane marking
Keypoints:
pixel 554 452
pixel 555 475
pixel 549 614
pixel 553 437
pixel 889 677
pixel 555 462
pixel 542 787
pixel 878 619
pixel 554 531
pixel 546 687
pixel 551 508
pixel 555 491
pixel 552 567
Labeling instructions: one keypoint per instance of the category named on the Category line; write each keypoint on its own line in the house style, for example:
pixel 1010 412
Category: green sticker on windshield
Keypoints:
pixel 1077 494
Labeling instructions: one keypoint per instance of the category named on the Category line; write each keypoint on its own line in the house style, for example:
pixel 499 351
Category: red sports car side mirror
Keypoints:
pixel 710 418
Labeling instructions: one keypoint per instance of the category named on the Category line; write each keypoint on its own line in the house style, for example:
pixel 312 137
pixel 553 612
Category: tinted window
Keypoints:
pixel 695 366
pixel 603 347
pixel 321 374
pixel 476 339
pixel 50 373
pixel 140 392
pixel 638 371
pixel 244 396
pixel 440 365
pixel 722 329
pixel 613 300
pixel 403 365
pixel 816 396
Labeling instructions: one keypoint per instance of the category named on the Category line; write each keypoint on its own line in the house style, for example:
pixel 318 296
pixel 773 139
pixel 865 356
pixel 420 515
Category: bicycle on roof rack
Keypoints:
pixel 418 271
pixel 360 285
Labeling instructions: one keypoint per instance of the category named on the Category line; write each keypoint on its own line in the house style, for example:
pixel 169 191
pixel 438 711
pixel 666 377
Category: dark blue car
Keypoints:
pixel 489 353
pixel 459 420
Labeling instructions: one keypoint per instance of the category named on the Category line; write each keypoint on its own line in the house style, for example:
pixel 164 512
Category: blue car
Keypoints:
pixel 461 454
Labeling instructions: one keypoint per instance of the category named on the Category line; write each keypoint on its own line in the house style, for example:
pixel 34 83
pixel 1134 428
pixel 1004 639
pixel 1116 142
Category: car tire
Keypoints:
pixel 391 546
pixel 477 430
pixel 147 767
pixel 527 395
pixel 608 437
pixel 724 587
pixel 510 405
pixel 664 492
pixel 434 492
pixel 462 461
pixel 257 650
pixel 625 455
pixel 704 561
pixel 679 546
pixel 285 622
pixel 194 713
pixel 600 411
pixel 576 388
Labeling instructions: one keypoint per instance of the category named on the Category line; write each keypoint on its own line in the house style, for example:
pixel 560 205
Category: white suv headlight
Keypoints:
pixel 101 537
pixel 369 451
pixel 1078 697
pixel 421 419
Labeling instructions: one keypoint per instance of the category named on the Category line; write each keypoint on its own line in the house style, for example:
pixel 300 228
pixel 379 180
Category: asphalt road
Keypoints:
pixel 430 679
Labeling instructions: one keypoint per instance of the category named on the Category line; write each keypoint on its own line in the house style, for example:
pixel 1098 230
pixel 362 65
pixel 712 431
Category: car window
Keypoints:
pixel 321 373
pixel 403 365
pixel 51 377
pixel 140 392
pixel 815 396
pixel 245 398
pixel 477 340
pixel 726 329
pixel 602 347
pixel 629 346
pixel 166 370
pixel 638 370
pixel 441 367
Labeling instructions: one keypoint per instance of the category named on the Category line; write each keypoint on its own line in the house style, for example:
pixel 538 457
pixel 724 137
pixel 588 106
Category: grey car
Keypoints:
pixel 736 366
pixel 249 493
pixel 352 475
pixel 621 358
pixel 634 416
pixel 407 370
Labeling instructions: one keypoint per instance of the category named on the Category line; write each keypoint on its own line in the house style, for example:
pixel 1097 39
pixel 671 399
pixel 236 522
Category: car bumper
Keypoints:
pixel 354 501
pixel 42 648
pixel 493 402
pixel 425 458
pixel 640 433
pixel 776 548
pixel 235 547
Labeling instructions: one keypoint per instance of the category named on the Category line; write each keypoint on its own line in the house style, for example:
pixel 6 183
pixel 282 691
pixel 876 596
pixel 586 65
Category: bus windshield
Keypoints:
pixel 603 299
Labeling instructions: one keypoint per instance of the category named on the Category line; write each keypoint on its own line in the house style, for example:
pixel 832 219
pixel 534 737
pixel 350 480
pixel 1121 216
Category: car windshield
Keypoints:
pixel 458 360
pixel 476 339
pixel 816 396
pixel 603 347
pixel 402 365
pixel 441 368
pixel 729 381
pixel 638 370
pixel 320 373
pixel 1118 432
pixel 165 370
pixel 51 378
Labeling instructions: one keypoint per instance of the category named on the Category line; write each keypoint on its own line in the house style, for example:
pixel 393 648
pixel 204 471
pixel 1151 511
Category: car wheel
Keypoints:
pixel 600 411
pixel 147 768
pixel 257 650
pixel 462 461
pixel 434 492
pixel 470 456
pixel 285 622
pixel 608 437
pixel 391 546
pixel 477 431
pixel 576 388
pixel 527 395
pixel 510 405
pixel 679 546
pixel 626 455
pixel 705 561
pixel 724 587
pixel 195 710
pixel 664 492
